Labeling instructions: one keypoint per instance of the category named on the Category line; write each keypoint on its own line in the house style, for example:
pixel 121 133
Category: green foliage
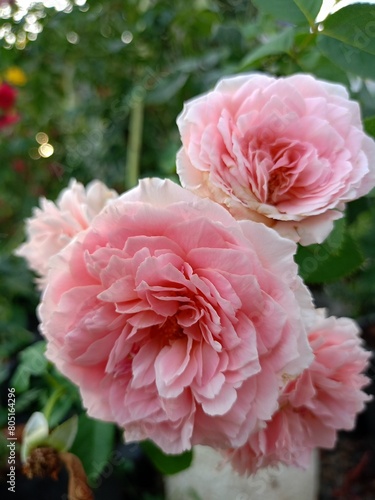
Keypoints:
pixel 369 124
pixel 310 9
pixel 4 450
pixel 337 257
pixel 277 44
pixel 93 445
pixel 358 292
pixel 17 301
pixel 354 26
pixel 326 263
pixel 293 11
pixel 167 464
pixel 62 437
pixel 32 362
pixel 348 39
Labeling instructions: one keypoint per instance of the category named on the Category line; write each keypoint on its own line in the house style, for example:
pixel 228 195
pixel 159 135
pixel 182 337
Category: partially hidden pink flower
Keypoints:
pixel 176 321
pixel 53 225
pixel 326 398
pixel 289 152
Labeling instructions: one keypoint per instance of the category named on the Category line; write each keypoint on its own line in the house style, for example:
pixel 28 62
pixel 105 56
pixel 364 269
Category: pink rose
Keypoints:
pixel 54 225
pixel 288 152
pixel 176 321
pixel 324 399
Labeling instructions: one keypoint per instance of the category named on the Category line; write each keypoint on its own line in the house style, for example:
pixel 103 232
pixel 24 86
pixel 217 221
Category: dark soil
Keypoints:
pixel 348 471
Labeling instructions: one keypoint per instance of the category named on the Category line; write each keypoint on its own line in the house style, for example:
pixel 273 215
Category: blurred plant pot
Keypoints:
pixel 206 479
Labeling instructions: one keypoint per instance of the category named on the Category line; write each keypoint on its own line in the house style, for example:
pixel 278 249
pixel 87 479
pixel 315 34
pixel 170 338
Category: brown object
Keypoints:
pixel 78 487
pixel 46 462
pixel 43 462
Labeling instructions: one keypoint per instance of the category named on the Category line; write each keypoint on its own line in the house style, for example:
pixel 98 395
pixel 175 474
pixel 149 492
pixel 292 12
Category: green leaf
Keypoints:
pixel 16 278
pixel 93 445
pixel 27 398
pixel 167 464
pixel 62 407
pixel 13 338
pixel 208 60
pixel 4 370
pixel 353 25
pixel 348 39
pixel 32 362
pixel 347 57
pixel 167 88
pixel 293 11
pixel 336 238
pixel 34 359
pixel 310 8
pixel 278 44
pixel 324 263
pixel 62 437
pixel 3 416
pixel 369 124
pixel 313 61
pixel 4 451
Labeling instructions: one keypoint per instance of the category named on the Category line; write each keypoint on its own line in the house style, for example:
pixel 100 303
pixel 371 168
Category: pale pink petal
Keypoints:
pixel 174 320
pixel 288 152
pixel 53 226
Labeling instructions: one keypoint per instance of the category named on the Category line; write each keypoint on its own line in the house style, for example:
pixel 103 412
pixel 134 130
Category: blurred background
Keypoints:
pixel 92 89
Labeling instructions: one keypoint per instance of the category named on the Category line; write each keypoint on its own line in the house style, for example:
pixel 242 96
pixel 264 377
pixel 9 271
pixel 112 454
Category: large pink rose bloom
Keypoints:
pixel 176 321
pixel 288 152
pixel 326 398
pixel 53 225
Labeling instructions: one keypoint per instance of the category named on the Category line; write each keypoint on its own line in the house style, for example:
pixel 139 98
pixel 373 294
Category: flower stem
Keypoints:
pixel 52 401
pixel 134 143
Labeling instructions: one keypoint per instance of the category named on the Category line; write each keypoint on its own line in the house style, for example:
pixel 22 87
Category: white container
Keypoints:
pixel 208 479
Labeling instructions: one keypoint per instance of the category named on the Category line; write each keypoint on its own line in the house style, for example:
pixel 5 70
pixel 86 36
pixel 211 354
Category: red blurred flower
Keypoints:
pixel 7 96
pixel 7 120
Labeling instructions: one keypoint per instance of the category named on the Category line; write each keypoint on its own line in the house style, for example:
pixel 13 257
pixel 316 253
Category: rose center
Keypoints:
pixel 276 182
pixel 171 330
pixel 285 158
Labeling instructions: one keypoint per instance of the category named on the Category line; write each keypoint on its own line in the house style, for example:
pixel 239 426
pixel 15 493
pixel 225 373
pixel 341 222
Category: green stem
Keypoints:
pixel 134 143
pixel 67 83
pixel 52 381
pixel 52 401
